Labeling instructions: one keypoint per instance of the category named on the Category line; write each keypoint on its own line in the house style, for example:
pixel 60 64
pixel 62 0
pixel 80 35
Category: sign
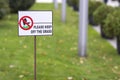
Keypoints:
pixel 34 23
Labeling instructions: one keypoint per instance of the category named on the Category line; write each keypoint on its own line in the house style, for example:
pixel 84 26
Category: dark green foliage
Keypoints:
pixel 93 5
pixel 112 23
pixel 99 16
pixel 16 5
pixel 69 2
pixel 4 9
pixel 101 13
pixel 74 4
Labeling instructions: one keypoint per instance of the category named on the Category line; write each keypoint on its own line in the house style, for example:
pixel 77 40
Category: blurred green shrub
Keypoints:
pixel 74 4
pixel 4 8
pixel 16 5
pixel 101 13
pixel 112 22
pixel 93 5
pixel 69 2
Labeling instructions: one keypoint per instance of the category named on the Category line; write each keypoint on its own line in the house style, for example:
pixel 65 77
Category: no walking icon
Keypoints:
pixel 26 23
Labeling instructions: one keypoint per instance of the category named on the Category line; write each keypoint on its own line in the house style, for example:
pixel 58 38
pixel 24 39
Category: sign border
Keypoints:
pixel 33 23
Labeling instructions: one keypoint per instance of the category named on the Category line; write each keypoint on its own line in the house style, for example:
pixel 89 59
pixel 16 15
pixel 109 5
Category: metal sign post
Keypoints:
pixel 55 4
pixel 83 26
pixel 63 10
pixel 35 58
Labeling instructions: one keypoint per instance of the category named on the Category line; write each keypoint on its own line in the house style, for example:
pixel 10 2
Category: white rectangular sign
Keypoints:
pixel 34 23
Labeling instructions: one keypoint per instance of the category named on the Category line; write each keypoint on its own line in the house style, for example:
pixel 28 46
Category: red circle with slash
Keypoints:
pixel 26 23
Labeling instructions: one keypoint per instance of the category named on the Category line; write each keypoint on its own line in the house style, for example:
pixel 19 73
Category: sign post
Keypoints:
pixel 34 23
pixel 63 10
pixel 83 25
pixel 35 76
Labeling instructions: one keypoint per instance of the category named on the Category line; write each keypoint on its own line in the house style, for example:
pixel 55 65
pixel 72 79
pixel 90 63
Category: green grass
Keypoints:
pixel 57 55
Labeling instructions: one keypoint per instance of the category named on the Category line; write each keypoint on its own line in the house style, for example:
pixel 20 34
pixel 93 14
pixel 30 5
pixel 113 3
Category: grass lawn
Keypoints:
pixel 57 55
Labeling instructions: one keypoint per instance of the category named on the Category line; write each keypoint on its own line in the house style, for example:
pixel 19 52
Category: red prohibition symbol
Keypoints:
pixel 24 24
